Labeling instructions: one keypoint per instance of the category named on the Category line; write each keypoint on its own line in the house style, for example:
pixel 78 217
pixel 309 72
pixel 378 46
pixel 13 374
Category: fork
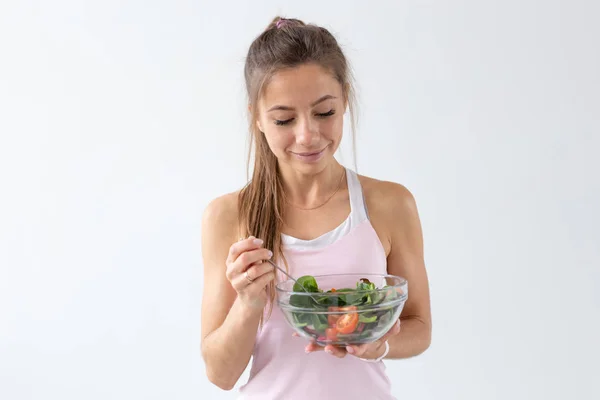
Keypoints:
pixel 292 278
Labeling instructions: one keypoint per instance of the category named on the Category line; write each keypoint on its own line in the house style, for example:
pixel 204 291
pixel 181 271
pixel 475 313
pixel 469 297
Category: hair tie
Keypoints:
pixel 280 22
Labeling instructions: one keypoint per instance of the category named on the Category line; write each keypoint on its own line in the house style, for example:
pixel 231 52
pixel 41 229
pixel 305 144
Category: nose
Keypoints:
pixel 307 134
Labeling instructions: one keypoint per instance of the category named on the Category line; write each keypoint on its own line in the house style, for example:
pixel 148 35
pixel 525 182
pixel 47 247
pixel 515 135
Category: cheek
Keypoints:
pixel 279 138
pixel 333 128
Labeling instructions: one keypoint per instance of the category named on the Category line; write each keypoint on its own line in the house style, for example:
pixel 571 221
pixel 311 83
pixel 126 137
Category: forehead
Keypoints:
pixel 300 86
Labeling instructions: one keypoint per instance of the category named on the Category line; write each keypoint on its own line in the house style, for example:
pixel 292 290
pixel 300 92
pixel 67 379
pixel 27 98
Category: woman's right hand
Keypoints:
pixel 246 272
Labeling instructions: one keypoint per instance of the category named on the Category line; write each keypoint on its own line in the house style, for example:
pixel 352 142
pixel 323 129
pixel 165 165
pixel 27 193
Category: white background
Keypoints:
pixel 120 121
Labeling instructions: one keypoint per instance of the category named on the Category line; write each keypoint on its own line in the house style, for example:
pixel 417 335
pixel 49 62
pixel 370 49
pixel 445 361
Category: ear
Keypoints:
pixel 346 96
pixel 257 121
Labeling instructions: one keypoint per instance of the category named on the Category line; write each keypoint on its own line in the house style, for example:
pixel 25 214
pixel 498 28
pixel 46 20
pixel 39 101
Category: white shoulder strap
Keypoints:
pixel 357 201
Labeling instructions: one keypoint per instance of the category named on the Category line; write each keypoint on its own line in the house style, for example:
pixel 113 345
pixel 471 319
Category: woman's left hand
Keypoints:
pixel 365 351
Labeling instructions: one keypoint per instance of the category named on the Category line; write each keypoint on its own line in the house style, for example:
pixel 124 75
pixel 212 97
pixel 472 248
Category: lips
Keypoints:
pixel 310 153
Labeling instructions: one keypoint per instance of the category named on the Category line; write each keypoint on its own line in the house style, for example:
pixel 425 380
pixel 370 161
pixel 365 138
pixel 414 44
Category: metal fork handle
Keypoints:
pixel 291 277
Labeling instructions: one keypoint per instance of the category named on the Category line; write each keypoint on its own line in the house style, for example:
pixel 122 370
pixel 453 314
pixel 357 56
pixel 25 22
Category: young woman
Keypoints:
pixel 307 212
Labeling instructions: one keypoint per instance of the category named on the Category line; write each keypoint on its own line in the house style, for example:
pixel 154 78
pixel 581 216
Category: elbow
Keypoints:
pixel 425 344
pixel 418 343
pixel 426 339
pixel 419 347
pixel 220 381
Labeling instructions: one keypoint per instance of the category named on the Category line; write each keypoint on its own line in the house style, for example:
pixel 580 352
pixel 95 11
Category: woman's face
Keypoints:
pixel 301 114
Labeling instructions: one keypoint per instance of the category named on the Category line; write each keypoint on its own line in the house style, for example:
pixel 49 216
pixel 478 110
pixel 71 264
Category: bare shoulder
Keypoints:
pixel 221 210
pixel 390 205
pixel 387 196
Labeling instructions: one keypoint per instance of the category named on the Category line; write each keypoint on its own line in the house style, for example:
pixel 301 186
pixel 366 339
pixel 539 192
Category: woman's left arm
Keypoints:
pixel 400 219
pixel 406 259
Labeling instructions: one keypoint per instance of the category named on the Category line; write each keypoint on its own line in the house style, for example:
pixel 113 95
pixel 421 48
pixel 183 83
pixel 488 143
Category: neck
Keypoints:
pixel 311 190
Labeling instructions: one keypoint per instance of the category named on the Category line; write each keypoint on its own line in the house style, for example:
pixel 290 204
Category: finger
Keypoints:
pixel 311 347
pixel 258 269
pixel 247 259
pixel 338 352
pixel 361 349
pixel 232 270
pixel 256 286
pixel 356 350
pixel 263 281
pixel 243 245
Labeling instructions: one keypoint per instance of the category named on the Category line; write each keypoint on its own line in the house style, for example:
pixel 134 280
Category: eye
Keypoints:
pixel 287 121
pixel 327 114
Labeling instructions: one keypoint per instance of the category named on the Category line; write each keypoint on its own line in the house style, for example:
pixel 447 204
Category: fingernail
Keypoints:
pixel 270 254
pixel 349 349
pixel 258 242
pixel 306 350
pixel 328 351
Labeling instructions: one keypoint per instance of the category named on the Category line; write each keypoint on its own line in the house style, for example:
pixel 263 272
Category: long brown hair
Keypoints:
pixel 285 43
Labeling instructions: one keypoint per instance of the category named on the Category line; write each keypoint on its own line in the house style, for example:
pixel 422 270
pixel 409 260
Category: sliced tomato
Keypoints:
pixel 331 333
pixel 333 318
pixel 347 323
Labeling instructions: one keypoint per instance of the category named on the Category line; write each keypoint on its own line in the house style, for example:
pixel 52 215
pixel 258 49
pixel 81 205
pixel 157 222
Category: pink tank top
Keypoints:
pixel 280 367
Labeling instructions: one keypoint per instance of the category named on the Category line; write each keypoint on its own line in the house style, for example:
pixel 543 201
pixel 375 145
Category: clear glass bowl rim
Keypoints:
pixel 401 283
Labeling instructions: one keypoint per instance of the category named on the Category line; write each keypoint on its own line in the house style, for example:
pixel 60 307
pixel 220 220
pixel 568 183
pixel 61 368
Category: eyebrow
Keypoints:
pixel 287 108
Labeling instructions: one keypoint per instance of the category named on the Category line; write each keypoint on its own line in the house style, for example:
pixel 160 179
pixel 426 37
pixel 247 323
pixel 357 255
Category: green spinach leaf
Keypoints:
pixel 308 282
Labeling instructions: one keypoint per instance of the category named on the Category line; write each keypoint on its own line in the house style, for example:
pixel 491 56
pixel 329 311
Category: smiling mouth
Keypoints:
pixel 312 153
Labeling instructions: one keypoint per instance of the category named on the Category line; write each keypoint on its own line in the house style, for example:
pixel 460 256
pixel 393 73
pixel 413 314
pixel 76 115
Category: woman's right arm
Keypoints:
pixel 231 305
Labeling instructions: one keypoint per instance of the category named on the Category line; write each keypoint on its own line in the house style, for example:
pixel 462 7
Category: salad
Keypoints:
pixel 344 315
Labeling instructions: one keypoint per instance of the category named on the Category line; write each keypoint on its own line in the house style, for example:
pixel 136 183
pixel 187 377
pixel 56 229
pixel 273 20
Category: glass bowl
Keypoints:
pixel 342 309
